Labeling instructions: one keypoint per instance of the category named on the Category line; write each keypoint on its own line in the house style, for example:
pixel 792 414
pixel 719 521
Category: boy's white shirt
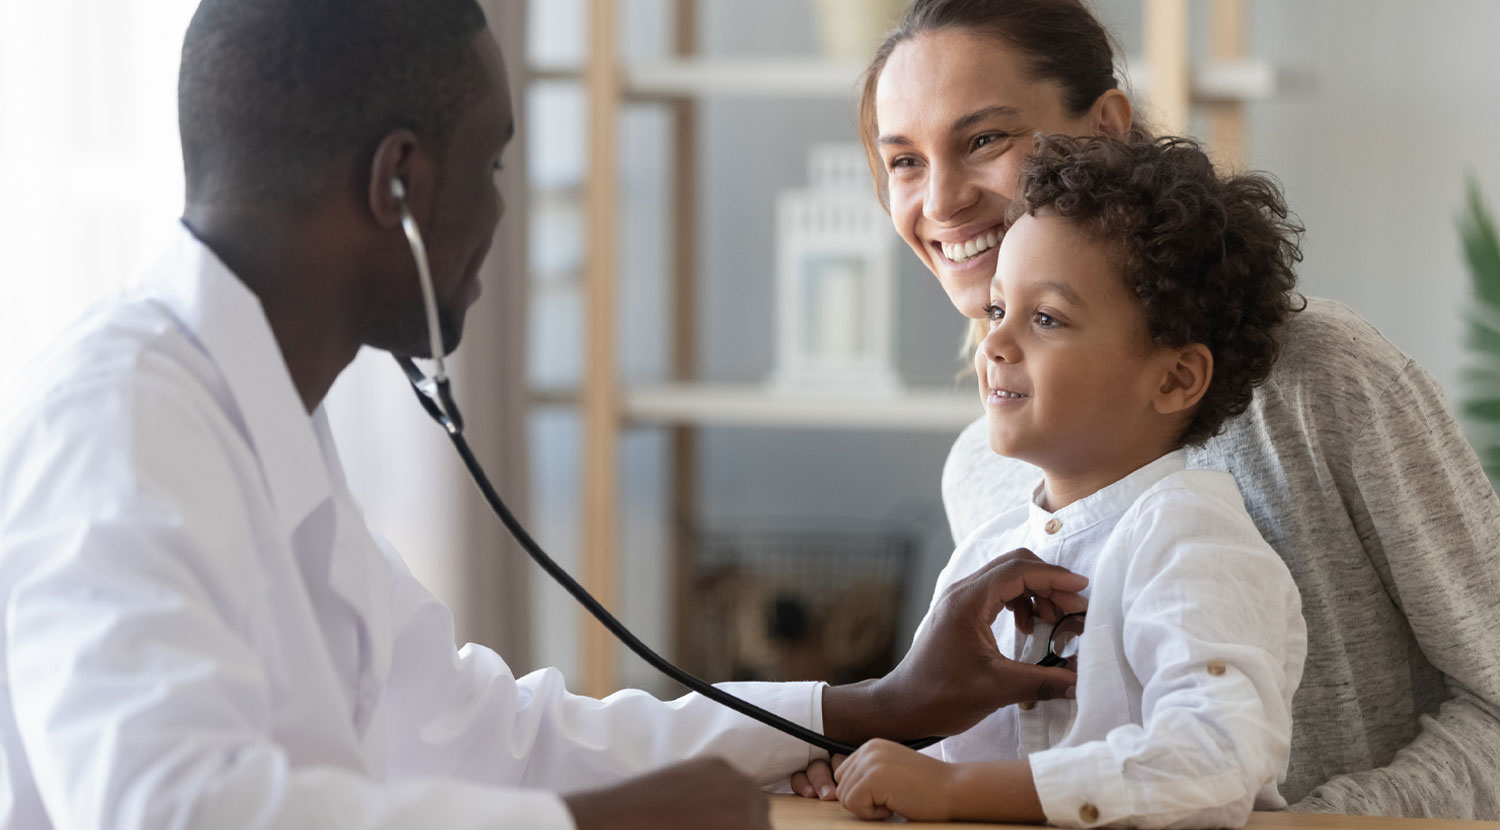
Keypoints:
pixel 1181 585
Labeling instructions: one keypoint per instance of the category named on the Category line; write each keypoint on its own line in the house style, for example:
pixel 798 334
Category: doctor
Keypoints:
pixel 200 630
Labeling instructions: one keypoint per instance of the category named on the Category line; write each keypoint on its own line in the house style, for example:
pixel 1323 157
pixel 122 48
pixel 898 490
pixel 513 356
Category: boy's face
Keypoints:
pixel 1068 372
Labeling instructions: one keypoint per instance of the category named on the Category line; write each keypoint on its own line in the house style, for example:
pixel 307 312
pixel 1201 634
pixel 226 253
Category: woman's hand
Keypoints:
pixel 884 778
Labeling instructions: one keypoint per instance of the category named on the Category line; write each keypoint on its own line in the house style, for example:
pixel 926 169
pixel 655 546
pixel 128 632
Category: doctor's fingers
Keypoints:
pixel 1045 608
pixel 1024 682
pixel 991 588
pixel 1021 609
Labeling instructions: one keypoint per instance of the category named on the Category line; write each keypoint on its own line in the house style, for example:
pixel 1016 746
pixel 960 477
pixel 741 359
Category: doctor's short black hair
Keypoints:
pixel 271 92
pixel 1211 257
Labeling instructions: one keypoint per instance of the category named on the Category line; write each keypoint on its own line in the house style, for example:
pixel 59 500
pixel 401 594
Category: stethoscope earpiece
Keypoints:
pixel 424 275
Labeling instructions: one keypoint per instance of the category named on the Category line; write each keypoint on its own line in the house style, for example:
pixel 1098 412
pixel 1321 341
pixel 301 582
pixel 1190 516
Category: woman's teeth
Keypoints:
pixel 961 251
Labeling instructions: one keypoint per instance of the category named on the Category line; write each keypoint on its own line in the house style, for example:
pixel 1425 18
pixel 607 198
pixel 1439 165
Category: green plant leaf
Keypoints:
pixel 1481 247
pixel 1481 404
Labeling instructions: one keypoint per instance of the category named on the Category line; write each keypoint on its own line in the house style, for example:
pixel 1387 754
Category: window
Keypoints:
pixel 92 166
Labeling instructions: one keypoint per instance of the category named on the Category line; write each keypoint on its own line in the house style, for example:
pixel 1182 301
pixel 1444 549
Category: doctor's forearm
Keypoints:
pixel 855 712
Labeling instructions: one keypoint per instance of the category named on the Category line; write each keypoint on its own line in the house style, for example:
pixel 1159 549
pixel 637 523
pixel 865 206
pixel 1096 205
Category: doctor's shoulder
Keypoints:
pixel 121 386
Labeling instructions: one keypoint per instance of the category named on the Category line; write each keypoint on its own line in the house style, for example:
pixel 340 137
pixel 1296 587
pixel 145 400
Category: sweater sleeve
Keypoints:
pixel 1429 520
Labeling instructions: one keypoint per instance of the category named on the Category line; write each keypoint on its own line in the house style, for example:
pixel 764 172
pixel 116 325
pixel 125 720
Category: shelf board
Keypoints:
pixel 750 77
pixel 811 77
pixel 1216 81
pixel 794 78
pixel 758 406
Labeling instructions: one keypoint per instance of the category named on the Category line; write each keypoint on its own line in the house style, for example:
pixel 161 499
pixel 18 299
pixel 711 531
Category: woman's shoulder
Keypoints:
pixel 978 484
pixel 1336 372
pixel 1329 341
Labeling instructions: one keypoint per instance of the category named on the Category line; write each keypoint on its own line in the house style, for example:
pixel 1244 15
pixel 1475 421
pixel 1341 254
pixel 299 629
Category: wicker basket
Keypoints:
pixel 796 606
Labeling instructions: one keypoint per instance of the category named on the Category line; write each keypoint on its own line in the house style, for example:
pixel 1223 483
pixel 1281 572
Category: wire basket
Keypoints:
pixel 797 606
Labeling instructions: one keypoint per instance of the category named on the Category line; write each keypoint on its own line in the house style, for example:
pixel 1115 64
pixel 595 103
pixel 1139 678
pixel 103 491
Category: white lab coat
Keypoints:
pixel 200 630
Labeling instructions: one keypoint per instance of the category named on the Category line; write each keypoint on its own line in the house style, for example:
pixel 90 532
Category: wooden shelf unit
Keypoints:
pixel 746 405
pixel 1215 81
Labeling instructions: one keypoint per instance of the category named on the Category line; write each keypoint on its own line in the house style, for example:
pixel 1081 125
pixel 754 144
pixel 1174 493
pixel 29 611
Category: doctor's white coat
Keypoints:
pixel 200 630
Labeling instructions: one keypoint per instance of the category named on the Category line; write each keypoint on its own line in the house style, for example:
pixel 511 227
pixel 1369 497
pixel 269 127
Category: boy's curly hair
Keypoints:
pixel 1210 258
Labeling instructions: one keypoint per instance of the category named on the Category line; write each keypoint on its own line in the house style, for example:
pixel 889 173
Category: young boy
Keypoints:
pixel 1136 301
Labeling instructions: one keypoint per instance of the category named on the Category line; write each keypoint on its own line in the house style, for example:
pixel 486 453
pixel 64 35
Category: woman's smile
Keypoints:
pixel 963 251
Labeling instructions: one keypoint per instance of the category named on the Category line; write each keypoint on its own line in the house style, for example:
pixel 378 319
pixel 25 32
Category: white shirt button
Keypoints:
pixel 1053 525
pixel 1088 814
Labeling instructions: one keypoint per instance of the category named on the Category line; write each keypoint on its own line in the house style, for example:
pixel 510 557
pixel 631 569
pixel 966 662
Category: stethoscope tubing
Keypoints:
pixel 435 395
pixel 624 635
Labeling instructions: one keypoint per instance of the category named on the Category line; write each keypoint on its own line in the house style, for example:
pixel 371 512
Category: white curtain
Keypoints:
pixel 90 168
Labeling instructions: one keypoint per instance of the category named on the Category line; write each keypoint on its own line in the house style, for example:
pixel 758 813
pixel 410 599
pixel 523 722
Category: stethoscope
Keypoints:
pixel 435 393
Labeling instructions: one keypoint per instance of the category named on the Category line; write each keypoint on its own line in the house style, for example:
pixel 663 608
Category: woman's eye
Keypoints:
pixel 987 139
pixel 901 162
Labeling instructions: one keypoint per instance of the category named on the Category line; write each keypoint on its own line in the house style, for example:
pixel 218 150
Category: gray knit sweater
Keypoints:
pixel 1355 471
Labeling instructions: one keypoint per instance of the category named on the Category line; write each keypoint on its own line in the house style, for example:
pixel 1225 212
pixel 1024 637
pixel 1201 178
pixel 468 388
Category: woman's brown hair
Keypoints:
pixel 1062 41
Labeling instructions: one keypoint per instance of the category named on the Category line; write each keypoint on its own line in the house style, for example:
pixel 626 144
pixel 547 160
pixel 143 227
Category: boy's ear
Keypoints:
pixel 1185 377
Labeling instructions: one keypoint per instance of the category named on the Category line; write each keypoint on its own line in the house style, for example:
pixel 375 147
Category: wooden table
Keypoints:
pixel 793 813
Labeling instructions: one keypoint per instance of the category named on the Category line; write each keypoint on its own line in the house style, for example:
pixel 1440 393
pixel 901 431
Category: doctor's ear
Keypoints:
pixel 400 171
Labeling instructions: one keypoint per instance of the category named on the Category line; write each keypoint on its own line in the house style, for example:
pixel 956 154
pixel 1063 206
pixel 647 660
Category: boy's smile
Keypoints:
pixel 1068 373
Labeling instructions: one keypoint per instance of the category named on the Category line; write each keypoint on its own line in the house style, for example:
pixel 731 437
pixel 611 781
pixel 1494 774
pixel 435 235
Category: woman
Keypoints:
pixel 1350 465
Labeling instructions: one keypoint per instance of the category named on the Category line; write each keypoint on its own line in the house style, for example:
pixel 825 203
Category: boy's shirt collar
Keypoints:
pixel 1104 504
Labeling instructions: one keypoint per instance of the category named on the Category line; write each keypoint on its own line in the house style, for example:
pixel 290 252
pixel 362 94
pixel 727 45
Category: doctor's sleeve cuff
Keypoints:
pixel 800 702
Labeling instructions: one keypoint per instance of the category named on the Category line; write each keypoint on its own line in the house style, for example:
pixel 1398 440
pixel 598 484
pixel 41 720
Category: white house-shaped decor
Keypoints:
pixel 835 256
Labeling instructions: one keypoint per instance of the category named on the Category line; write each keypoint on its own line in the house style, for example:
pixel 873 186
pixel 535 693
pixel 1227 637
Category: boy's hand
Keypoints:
pixel 884 778
pixel 954 675
pixel 703 793
pixel 817 780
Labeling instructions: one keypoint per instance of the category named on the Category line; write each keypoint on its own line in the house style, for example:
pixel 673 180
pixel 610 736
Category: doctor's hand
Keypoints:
pixel 954 675
pixel 703 793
